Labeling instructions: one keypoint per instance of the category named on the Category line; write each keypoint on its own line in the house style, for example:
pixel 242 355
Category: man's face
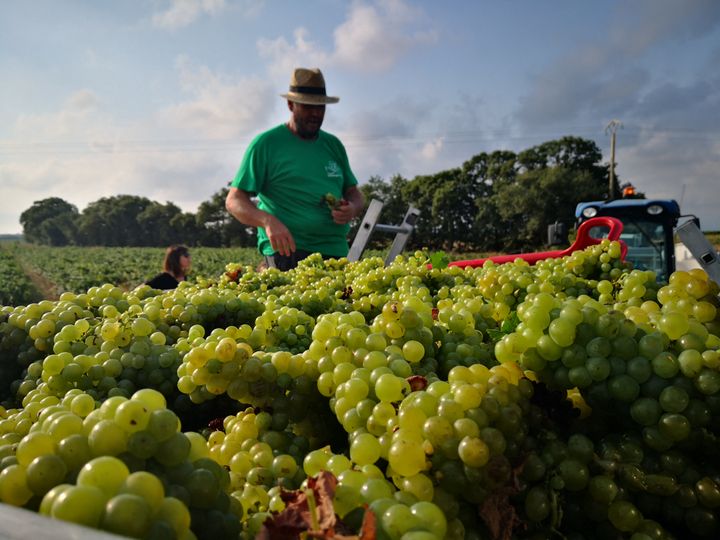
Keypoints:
pixel 307 119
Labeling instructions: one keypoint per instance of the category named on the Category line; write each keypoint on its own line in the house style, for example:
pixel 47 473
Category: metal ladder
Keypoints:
pixel 698 244
pixel 370 224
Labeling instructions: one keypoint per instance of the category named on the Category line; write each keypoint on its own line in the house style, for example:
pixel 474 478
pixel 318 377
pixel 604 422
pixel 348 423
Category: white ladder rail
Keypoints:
pixel 700 247
pixel 370 224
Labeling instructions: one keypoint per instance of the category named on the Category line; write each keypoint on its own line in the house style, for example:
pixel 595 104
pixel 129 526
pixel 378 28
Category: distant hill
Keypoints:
pixel 15 237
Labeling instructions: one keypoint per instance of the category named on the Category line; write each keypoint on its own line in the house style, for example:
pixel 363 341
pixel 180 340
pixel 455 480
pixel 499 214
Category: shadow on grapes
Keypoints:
pixel 201 416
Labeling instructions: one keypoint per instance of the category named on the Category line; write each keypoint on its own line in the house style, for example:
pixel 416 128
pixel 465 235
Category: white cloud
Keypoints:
pixel 432 149
pixel 284 56
pixel 656 168
pixel 220 107
pixel 30 175
pixel 375 36
pixel 372 38
pixel 661 21
pixel 601 78
pixel 399 137
pixel 184 12
pixel 183 153
pixel 77 112
pixel 185 178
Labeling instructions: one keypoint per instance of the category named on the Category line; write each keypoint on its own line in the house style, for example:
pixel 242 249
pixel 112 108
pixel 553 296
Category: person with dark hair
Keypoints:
pixel 306 192
pixel 176 267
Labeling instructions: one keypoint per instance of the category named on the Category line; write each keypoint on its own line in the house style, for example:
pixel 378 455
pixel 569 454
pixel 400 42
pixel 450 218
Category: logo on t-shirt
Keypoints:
pixel 332 169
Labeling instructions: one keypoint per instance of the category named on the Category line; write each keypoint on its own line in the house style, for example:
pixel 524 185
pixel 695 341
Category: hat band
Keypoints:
pixel 308 90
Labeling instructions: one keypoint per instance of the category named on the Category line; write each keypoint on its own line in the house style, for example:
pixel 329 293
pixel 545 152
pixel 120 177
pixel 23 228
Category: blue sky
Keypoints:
pixel 159 98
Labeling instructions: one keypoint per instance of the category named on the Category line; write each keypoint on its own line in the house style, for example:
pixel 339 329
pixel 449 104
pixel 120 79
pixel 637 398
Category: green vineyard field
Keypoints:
pixel 31 272
pixel 76 269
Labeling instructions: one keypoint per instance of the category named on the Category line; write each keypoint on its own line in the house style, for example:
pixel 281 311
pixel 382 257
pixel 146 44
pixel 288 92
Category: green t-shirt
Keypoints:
pixel 291 176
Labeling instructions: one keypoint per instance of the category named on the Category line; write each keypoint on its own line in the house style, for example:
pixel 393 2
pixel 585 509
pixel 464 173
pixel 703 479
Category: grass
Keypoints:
pixel 714 238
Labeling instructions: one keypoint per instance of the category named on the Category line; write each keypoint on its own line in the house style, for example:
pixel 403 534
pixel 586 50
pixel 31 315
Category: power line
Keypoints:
pixel 139 146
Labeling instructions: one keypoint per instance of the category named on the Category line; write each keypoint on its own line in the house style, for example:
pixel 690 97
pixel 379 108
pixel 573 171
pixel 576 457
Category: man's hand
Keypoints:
pixel 343 213
pixel 244 210
pixel 280 238
pixel 351 205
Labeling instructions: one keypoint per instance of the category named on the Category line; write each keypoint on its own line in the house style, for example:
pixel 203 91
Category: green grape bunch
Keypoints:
pixel 333 203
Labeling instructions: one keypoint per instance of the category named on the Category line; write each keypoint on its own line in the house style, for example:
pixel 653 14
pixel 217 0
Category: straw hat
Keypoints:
pixel 307 86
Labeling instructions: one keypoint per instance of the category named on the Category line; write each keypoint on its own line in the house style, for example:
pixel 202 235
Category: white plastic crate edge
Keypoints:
pixel 20 524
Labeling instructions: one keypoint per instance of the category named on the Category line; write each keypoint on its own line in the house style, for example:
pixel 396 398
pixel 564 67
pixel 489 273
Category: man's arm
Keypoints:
pixel 240 206
pixel 355 205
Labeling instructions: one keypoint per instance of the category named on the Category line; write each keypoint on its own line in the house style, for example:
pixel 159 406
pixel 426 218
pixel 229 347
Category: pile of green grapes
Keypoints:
pixel 577 398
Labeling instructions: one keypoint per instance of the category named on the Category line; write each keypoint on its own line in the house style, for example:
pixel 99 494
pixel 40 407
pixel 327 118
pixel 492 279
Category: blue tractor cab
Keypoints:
pixel 648 229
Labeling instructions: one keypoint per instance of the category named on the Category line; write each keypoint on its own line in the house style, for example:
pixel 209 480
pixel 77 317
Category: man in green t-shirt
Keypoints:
pixel 306 192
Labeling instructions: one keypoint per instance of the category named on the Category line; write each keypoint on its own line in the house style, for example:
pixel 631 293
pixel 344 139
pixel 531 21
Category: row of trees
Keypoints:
pixel 129 220
pixel 499 201
pixel 495 201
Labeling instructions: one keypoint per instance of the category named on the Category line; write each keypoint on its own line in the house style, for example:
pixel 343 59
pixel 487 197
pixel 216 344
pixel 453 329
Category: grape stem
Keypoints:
pixel 556 513
pixel 312 508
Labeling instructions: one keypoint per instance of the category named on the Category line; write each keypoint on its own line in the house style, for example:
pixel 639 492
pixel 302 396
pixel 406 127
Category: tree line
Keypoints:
pixel 130 220
pixel 496 201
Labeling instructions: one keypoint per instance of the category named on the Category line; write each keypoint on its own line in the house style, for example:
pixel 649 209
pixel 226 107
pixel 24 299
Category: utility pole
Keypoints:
pixel 612 127
pixel 682 194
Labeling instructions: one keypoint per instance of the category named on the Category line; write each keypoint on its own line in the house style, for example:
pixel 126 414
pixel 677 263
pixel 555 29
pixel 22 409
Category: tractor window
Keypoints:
pixel 646 245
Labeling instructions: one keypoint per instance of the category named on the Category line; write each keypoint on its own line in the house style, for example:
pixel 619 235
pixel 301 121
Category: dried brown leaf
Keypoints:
pixel 297 518
pixel 499 516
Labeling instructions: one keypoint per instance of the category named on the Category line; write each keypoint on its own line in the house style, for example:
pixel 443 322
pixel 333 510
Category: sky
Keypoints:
pixel 160 98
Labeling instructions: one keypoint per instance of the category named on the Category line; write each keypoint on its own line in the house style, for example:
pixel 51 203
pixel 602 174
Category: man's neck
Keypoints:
pixel 293 129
